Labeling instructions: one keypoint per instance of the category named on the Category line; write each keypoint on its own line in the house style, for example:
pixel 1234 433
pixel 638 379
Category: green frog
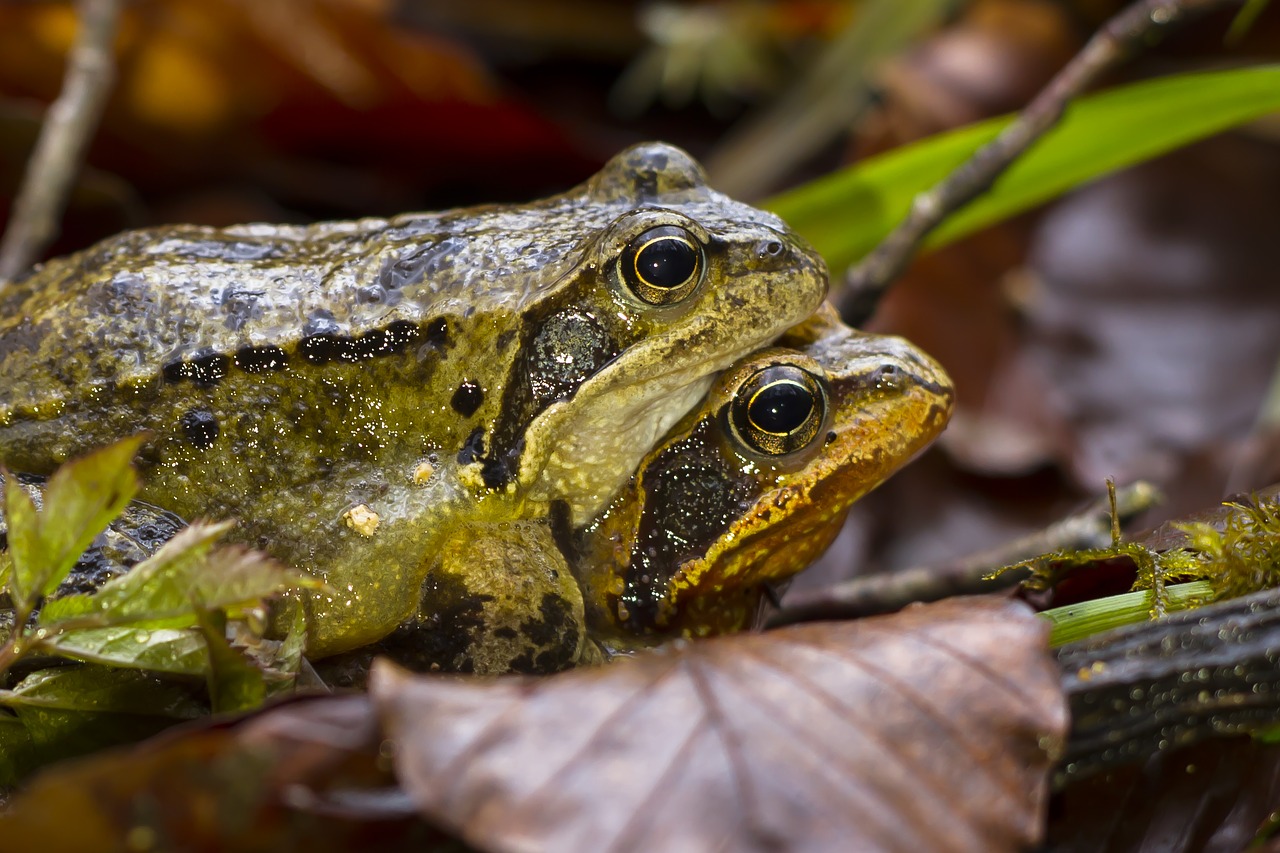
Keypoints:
pixel 745 491
pixel 742 493
pixel 373 399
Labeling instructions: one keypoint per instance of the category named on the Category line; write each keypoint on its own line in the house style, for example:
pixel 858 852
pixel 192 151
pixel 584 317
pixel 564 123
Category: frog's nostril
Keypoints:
pixel 889 376
pixel 769 249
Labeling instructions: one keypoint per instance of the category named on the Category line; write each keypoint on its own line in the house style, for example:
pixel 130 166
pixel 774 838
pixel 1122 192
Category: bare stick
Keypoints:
pixel 69 123
pixel 1139 24
pixel 884 593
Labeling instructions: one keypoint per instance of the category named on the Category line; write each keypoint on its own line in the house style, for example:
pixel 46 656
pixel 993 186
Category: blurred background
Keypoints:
pixel 1129 330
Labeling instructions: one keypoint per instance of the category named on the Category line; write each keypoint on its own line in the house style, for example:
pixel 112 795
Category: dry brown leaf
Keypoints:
pixel 306 775
pixel 932 729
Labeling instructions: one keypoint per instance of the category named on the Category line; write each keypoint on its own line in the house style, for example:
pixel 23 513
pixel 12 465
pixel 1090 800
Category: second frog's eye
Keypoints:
pixel 779 410
pixel 662 265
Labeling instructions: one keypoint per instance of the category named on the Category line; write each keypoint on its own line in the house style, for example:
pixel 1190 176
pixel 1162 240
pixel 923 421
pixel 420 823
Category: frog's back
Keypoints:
pixel 157 304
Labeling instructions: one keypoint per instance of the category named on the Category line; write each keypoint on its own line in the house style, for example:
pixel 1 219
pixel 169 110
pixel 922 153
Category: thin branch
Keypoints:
pixel 884 593
pixel 1138 25
pixel 69 123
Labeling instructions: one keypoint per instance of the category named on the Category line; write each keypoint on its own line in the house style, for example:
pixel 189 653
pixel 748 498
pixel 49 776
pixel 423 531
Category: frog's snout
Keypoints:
pixel 929 375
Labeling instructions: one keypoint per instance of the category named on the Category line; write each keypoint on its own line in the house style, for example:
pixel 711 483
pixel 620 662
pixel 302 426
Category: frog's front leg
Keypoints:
pixel 499 597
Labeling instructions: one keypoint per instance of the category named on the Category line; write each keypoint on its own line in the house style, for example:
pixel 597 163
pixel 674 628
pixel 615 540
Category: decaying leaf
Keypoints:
pixel 307 775
pixel 932 729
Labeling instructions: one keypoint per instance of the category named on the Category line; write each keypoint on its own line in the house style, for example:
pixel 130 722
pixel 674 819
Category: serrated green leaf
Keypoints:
pixel 846 214
pixel 289 659
pixel 165 590
pixel 102 690
pixel 24 542
pixel 237 578
pixel 157 591
pixel 80 499
pixel 179 651
pixel 235 684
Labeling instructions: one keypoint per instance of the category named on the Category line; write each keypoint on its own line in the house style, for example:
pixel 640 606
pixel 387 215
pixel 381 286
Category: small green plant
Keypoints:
pixel 145 643
pixel 1237 556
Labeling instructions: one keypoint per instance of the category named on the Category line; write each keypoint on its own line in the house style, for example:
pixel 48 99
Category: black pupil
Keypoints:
pixel 781 408
pixel 666 262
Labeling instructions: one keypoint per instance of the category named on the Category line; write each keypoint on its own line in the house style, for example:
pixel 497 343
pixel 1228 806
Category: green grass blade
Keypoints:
pixel 845 214
pixel 1077 621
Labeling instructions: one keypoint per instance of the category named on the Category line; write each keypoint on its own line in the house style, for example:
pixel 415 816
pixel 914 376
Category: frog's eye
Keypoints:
pixel 663 265
pixel 778 410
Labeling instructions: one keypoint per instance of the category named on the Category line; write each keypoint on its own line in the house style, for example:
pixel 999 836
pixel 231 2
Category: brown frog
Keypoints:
pixel 753 486
pixel 382 401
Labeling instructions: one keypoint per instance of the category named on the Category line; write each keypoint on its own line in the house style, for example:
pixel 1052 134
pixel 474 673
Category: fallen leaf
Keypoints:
pixel 305 775
pixel 931 729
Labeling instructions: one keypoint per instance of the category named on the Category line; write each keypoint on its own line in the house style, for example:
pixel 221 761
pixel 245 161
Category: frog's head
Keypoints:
pixel 754 484
pixel 680 282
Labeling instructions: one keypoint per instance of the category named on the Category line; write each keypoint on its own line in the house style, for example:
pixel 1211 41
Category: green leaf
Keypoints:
pixel 165 590
pixel 235 684
pixel 157 591
pixel 102 690
pixel 57 734
pixel 17 753
pixel 81 498
pixel 24 542
pixel 845 214
pixel 179 651
pixel 238 578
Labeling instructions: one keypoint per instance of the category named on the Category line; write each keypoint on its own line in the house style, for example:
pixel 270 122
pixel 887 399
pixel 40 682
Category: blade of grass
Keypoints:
pixel 1077 621
pixel 845 214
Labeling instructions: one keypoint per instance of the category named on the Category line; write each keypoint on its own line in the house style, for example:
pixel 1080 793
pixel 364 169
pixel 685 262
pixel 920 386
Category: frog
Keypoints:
pixel 754 485
pixel 370 398
pixel 742 493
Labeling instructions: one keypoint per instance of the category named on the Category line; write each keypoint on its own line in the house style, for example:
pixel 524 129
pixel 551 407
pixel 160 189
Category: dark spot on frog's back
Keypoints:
pixel 205 369
pixel 438 332
pixel 468 398
pixel 326 346
pixel 261 359
pixel 200 427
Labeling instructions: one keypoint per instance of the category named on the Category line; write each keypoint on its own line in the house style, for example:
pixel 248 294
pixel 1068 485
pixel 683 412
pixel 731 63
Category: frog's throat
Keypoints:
pixel 585 470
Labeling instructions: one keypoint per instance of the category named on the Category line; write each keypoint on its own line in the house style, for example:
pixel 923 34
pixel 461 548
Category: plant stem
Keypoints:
pixel 1138 24
pixel 69 122
pixel 885 593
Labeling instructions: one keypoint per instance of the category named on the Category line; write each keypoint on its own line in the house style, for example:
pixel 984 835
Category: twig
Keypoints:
pixel 884 593
pixel 69 122
pixel 1139 23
